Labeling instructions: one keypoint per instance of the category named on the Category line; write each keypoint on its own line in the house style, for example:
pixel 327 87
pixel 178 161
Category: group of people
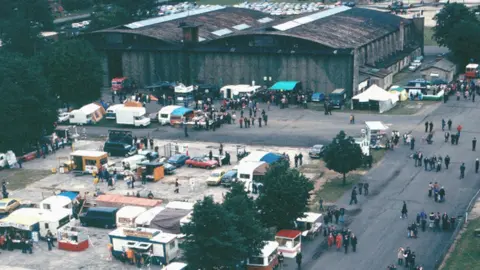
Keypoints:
pixel 341 238
pixel 436 191
pixel 246 122
pixel 431 163
pixel 406 257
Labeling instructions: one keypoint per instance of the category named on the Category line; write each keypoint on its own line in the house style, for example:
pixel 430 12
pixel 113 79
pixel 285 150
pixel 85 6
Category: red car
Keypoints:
pixel 202 162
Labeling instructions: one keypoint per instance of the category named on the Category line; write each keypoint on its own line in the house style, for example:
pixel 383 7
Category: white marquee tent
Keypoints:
pixel 385 100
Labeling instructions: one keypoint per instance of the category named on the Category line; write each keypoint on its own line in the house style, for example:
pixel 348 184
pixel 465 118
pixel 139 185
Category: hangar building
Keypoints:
pixel 340 47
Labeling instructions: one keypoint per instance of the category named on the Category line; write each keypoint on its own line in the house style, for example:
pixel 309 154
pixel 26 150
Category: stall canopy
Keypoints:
pixel 69 194
pixel 267 157
pixel 114 200
pixel 168 220
pixel 377 98
pixel 181 111
pixel 284 85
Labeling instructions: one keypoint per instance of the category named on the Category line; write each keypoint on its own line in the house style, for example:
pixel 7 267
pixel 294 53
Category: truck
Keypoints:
pixel 134 116
pixel 123 85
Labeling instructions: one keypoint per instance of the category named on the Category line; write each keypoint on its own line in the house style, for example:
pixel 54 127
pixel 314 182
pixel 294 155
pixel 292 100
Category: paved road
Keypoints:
pixel 378 225
pixel 288 127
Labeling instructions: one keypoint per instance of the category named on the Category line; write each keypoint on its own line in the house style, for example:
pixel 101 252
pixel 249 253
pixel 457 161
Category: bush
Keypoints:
pixel 77 4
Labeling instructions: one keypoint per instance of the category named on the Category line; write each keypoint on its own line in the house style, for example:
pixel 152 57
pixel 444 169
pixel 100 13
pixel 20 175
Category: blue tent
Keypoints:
pixel 69 194
pixel 285 86
pixel 270 158
pixel 181 111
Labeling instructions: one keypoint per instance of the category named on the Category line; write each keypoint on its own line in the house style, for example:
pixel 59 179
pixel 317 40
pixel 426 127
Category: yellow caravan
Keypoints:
pixel 88 160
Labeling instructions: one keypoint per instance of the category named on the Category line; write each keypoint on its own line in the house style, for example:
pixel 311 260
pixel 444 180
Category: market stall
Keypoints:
pixel 161 247
pixel 72 238
pixel 153 171
pixel 375 99
pixel 266 260
pixel 88 161
pixel 376 134
pixel 20 226
pixel 168 220
pixel 289 242
pixel 238 91
pixel 181 115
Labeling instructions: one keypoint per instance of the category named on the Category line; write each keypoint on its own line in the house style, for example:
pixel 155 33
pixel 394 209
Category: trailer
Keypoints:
pixel 133 116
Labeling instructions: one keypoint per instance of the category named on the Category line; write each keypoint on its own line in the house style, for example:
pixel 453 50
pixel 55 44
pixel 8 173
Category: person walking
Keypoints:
pixel 49 237
pixel 353 198
pixel 404 210
pixel 298 259
pixel 431 126
pixel 281 258
pixel 449 124
pixel 462 171
pixel 426 127
pixel 447 161
pixel 412 143
pixel 443 124
pixel 477 165
pixel 338 241
pixel 354 242
pixel 474 143
pixel 346 243
pixel 330 240
pixel 185 130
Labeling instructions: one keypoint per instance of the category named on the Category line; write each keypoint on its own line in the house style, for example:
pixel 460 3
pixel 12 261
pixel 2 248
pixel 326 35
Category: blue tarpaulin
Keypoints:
pixel 181 111
pixel 69 194
pixel 284 85
pixel 270 158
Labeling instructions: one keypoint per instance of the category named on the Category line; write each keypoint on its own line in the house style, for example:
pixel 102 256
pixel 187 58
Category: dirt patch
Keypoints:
pixel 20 178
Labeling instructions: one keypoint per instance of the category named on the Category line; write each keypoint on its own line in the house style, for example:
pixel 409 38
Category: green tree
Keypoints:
pixel 25 102
pixel 108 13
pixel 77 4
pixel 246 220
pixel 447 18
pixel 74 72
pixel 211 239
pixel 21 22
pixel 343 155
pixel 285 196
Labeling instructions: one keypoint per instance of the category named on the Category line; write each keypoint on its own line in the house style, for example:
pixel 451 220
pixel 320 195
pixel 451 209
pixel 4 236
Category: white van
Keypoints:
pixel 126 216
pixel 249 171
pixel 131 162
pixel 165 113
pixel 53 220
pixel 112 111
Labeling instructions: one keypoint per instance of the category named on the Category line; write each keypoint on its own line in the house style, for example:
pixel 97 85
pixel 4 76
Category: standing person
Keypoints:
pixel 431 126
pixel 281 258
pixel 477 165
pixel 186 131
pixel 298 259
pixel 330 240
pixel 259 121
pixel 400 256
pixel 113 97
pixel 300 159
pixel 459 129
pixel 220 150
pixel 474 143
pixel 443 124
pixel 49 237
pixel 404 210
pixel 354 242
pixel 449 124
pixel 462 171
pixel 447 161
pixel 447 135
pixel 426 127
pixel 412 143
pixel 177 189
pixel 4 190
pixel 151 144
pixel 365 187
pixel 265 119
pixel 346 243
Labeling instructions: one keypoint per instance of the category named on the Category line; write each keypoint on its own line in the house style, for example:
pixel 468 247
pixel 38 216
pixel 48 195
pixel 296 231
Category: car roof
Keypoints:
pixel 231 172
pixel 7 200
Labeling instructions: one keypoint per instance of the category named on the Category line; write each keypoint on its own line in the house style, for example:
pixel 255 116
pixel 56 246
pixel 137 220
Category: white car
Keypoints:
pixel 63 117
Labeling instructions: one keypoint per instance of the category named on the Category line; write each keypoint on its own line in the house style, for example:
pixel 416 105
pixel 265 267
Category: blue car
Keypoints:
pixel 178 160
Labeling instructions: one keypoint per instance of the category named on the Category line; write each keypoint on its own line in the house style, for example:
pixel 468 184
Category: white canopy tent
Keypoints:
pixel 385 100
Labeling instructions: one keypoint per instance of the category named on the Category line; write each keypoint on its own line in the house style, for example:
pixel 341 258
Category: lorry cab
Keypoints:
pixel 165 114
pixel 123 85
pixel 472 71
pixel 338 98
pixel 112 111
pixel 101 217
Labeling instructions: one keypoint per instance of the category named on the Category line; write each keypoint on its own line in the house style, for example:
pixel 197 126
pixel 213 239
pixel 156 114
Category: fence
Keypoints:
pixel 461 221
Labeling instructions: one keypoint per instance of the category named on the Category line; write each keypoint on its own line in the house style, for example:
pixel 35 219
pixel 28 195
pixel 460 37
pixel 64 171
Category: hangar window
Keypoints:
pixel 114 38
pixel 264 41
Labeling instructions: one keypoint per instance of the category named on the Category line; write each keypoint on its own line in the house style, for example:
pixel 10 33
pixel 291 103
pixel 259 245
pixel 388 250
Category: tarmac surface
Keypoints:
pixel 376 219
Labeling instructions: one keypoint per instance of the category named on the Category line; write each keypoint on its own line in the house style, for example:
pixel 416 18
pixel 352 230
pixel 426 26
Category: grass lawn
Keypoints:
pixel 377 154
pixel 428 37
pixel 466 254
pixel 333 190
pixel 20 178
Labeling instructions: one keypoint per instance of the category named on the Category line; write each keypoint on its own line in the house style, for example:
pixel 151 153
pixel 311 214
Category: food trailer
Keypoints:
pixel 72 238
pixel 375 134
pixel 56 202
pixel 164 246
pixel 53 219
pixel 145 218
pixel 310 224
pixel 22 223
pixel 266 260
pixel 115 200
pixel 238 91
pixel 88 161
pixel 127 215
pixel 289 242
pixel 154 170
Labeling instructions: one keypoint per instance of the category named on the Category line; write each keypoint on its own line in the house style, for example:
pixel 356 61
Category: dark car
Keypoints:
pixel 178 160
pixel 228 178
pixel 120 149
pixel 316 151
pixel 169 168
pixel 101 217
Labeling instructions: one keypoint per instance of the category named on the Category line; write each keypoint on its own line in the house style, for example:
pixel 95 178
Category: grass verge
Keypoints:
pixel 334 189
pixel 20 178
pixel 466 254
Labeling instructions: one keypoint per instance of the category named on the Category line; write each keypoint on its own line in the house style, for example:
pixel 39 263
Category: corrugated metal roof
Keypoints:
pixel 222 32
pixel 310 18
pixel 242 26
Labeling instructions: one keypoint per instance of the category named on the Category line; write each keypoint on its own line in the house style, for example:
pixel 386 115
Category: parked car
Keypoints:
pixel 228 178
pixel 63 117
pixel 169 168
pixel 178 160
pixel 201 162
pixel 316 151
pixel 150 154
pixel 215 178
pixel 413 68
pixel 8 205
pixel 318 97
pixel 119 149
